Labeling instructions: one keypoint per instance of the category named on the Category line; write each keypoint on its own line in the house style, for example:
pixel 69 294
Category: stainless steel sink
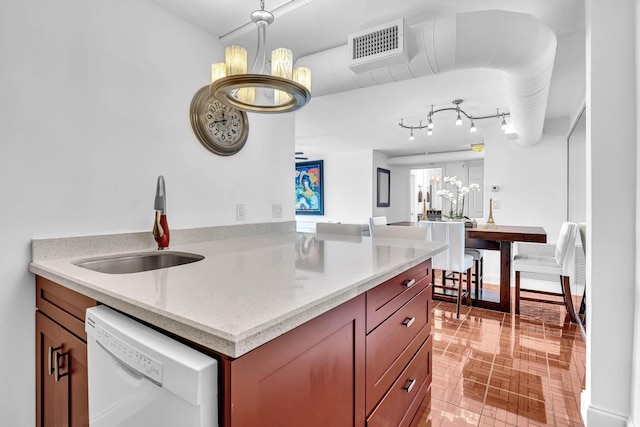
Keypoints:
pixel 135 263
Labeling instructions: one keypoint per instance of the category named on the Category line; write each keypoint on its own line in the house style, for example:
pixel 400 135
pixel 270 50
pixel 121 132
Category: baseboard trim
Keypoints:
pixel 597 417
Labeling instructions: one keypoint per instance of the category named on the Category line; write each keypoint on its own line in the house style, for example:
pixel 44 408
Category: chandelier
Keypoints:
pixel 472 127
pixel 266 89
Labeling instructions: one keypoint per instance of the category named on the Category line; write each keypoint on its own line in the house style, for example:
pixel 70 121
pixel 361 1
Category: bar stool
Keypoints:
pixel 454 259
pixel 477 272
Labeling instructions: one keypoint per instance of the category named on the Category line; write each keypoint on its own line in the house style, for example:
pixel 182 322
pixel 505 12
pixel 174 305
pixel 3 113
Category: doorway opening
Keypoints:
pixel 425 184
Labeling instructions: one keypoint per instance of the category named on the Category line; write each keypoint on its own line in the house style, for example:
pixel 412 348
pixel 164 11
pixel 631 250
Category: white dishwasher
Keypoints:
pixel 140 377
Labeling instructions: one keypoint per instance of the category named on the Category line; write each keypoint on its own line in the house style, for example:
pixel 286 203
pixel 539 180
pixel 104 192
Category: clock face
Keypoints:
pixel 220 128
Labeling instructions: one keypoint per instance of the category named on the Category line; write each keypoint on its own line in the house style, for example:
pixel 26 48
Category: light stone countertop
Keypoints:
pixel 247 290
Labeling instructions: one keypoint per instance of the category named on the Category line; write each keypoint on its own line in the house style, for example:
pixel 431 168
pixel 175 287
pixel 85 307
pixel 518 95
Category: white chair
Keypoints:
pixel 582 227
pixel 561 264
pixel 342 229
pixel 376 220
pixel 400 232
pixel 454 259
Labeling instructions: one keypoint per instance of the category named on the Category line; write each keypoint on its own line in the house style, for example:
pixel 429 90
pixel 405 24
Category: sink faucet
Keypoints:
pixel 160 225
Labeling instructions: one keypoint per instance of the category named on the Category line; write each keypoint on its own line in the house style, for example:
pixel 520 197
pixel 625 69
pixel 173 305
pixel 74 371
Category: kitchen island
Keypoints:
pixel 266 300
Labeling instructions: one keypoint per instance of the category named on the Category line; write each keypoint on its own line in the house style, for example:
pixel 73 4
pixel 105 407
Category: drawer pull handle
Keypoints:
pixel 409 385
pixel 409 321
pixel 53 352
pixel 409 283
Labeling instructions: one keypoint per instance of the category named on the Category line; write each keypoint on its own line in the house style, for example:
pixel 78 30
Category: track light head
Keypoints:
pixel 503 125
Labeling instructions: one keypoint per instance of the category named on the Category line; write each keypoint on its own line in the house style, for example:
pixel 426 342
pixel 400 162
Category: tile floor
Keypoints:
pixel 498 369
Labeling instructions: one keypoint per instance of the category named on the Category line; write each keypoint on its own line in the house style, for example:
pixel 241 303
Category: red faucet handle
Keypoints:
pixel 163 236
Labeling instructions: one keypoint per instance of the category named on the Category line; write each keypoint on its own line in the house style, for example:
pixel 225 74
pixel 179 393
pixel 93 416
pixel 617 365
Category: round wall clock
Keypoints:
pixel 222 129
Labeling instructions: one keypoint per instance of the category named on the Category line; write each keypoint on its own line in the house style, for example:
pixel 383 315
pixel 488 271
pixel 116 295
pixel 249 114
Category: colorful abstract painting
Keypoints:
pixel 309 188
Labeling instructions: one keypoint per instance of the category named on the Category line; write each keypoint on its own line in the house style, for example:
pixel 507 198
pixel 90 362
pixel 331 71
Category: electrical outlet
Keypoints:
pixel 496 204
pixel 240 211
pixel 276 210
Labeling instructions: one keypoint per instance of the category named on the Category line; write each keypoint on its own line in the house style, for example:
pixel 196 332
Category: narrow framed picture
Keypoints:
pixel 310 188
pixel 384 188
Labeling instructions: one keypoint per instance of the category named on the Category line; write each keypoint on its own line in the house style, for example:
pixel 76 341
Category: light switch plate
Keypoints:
pixel 240 211
pixel 276 210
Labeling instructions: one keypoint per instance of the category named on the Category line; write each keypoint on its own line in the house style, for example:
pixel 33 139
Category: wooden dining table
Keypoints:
pixel 498 238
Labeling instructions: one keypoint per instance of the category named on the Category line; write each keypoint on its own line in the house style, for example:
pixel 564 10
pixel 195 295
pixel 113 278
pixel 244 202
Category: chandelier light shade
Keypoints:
pixel 275 88
pixel 218 70
pixel 235 57
pixel 460 112
pixel 302 75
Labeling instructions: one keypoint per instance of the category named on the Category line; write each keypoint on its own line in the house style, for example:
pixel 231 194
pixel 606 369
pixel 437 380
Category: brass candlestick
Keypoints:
pixel 490 221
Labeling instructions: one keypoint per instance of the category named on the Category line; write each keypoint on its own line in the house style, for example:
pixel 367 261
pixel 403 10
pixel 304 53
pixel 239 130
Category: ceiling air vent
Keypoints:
pixel 378 47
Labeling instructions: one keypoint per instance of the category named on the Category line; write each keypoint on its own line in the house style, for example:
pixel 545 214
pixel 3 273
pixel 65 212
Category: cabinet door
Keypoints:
pixel 64 402
pixel 310 376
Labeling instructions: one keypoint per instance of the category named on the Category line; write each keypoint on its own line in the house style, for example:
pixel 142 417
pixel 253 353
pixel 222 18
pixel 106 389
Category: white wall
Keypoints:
pixel 635 381
pixel 400 183
pixel 347 187
pixel 612 284
pixel 635 392
pixel 94 106
pixel 532 180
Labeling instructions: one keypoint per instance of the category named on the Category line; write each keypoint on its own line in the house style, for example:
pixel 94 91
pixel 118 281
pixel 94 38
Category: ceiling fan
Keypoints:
pixel 299 155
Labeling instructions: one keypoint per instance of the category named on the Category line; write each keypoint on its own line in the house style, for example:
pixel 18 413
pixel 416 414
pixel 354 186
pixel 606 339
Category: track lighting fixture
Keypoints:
pixel 472 128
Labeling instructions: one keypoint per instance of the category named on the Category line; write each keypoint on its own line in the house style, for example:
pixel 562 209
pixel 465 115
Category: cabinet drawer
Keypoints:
pixel 63 305
pixel 392 345
pixel 385 299
pixel 406 393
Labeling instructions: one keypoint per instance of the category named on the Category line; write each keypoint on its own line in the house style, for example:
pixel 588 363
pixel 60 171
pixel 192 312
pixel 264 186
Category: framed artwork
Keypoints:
pixel 384 188
pixel 309 188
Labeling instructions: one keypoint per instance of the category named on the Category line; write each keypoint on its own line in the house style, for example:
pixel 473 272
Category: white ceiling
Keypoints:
pixel 368 118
